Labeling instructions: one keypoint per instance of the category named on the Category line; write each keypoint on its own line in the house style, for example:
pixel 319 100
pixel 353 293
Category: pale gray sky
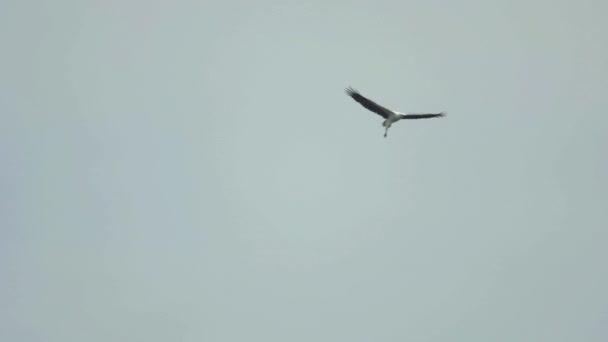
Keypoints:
pixel 193 171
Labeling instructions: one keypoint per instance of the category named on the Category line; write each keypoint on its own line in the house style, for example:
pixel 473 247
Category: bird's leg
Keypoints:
pixel 385 132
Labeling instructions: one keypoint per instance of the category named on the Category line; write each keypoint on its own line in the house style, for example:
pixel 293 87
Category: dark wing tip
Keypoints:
pixel 351 92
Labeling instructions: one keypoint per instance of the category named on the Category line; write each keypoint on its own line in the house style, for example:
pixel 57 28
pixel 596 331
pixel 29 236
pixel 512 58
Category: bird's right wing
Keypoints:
pixel 423 116
pixel 367 103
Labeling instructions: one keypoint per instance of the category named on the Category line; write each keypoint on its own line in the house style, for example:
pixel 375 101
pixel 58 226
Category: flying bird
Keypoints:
pixel 390 115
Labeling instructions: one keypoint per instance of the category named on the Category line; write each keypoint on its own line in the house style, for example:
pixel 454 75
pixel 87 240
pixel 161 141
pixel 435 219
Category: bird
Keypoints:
pixel 390 116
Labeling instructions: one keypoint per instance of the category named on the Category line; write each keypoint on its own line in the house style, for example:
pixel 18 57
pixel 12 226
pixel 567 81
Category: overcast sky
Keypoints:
pixel 193 171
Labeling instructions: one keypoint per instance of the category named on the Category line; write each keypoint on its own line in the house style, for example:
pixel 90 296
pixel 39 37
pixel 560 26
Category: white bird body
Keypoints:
pixel 390 116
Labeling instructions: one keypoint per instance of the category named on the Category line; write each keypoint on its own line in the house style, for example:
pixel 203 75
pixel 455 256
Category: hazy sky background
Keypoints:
pixel 193 171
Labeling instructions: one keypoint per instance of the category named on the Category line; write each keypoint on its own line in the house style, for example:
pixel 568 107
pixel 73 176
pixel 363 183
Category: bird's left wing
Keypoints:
pixel 367 103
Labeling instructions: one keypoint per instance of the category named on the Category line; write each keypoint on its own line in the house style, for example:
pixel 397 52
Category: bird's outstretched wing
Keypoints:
pixel 367 103
pixel 423 116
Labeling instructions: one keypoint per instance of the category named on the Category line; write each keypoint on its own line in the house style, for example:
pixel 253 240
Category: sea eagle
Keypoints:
pixel 389 115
